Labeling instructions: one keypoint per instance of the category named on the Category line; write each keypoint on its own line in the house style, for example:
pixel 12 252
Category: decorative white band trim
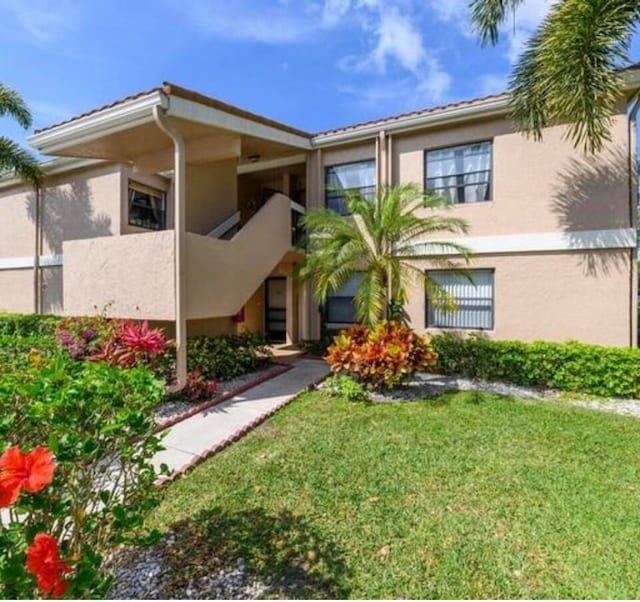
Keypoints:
pixel 17 263
pixel 582 240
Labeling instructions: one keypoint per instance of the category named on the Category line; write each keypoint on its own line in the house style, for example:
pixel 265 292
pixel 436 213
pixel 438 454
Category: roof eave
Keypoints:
pixel 132 113
pixel 494 107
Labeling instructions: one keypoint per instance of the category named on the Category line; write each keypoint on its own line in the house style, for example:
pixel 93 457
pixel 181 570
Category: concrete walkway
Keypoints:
pixel 212 429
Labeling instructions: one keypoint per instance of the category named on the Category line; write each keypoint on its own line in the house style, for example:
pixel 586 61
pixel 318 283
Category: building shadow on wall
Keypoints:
pixel 67 214
pixel 582 201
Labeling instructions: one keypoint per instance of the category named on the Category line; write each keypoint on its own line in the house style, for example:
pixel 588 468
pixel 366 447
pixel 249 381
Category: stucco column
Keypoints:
pixel 179 219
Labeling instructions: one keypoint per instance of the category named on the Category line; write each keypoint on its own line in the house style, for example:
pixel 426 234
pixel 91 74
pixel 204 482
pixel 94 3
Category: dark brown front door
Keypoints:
pixel 276 309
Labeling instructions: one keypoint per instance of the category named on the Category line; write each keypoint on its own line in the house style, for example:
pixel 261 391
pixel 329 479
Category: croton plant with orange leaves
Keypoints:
pixel 384 355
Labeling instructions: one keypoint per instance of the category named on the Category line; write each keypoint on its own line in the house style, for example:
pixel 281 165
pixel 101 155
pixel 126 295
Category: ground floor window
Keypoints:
pixel 473 297
pixel 339 309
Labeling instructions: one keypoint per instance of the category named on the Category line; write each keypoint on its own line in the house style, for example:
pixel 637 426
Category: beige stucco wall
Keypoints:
pixel 552 296
pixel 212 194
pixel 131 276
pixel 16 290
pixel 79 204
pixel 545 186
pixel 222 275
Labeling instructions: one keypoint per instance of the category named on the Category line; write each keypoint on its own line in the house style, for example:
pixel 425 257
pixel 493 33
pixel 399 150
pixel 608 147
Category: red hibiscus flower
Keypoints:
pixel 31 472
pixel 43 561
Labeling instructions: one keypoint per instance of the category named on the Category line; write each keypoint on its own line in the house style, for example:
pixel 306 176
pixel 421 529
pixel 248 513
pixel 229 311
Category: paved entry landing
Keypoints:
pixel 202 434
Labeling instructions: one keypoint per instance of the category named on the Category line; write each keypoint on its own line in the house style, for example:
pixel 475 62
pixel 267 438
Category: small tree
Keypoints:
pixel 382 241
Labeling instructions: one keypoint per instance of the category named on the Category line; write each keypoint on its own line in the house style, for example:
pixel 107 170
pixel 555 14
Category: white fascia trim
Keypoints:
pixel 583 240
pixel 51 168
pixel 194 111
pixel 108 121
pixel 18 263
pixel 271 164
pixel 444 117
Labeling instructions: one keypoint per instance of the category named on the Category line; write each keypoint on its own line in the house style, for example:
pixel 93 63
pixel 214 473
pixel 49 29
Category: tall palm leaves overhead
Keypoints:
pixel 13 158
pixel 568 71
pixel 381 242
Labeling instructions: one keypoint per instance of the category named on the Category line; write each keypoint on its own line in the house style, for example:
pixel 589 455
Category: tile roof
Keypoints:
pixel 174 90
pixel 419 113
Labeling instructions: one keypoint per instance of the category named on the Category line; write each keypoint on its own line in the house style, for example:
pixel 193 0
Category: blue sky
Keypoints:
pixel 314 64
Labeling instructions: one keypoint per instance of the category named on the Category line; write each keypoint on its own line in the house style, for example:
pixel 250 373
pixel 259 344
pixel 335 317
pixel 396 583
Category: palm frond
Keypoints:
pixel 488 15
pixel 17 160
pixel 567 73
pixel 11 103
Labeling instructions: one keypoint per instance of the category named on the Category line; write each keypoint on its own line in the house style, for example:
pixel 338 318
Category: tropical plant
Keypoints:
pixel 569 70
pixel 382 243
pixel 13 158
pixel 382 356
pixel 96 421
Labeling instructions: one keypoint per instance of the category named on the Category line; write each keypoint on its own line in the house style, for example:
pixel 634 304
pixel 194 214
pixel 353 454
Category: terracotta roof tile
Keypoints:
pixel 417 113
pixel 98 109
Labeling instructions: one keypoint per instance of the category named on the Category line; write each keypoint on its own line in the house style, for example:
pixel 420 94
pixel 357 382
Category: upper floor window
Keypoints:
pixel 472 296
pixel 356 177
pixel 147 207
pixel 461 174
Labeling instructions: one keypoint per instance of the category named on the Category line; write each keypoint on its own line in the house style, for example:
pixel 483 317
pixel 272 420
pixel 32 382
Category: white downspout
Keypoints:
pixel 179 216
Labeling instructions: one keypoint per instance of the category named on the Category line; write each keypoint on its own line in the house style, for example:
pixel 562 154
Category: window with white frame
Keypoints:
pixel 147 207
pixel 470 300
pixel 339 309
pixel 355 177
pixel 461 174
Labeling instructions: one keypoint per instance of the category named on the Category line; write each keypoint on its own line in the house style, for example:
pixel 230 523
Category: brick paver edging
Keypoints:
pixel 247 428
pixel 277 370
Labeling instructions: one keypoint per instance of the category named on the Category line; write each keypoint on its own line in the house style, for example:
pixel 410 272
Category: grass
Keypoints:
pixel 466 496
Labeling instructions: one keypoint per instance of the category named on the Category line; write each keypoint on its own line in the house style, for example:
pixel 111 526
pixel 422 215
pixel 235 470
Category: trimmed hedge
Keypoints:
pixel 227 356
pixel 571 366
pixel 25 325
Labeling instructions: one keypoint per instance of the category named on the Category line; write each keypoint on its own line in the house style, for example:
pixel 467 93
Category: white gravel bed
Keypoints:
pixel 145 574
pixel 424 385
pixel 170 408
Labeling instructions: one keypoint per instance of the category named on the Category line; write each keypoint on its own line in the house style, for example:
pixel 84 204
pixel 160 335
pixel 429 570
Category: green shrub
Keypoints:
pixel 227 356
pixel 571 366
pixel 23 325
pixel 347 387
pixel 97 420
pixel 19 352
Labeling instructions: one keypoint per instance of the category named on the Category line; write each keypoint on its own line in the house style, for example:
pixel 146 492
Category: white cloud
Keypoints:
pixel 43 21
pixel 394 54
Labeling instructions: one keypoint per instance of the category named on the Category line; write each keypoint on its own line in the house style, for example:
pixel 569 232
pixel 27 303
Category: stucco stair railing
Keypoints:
pixel 223 274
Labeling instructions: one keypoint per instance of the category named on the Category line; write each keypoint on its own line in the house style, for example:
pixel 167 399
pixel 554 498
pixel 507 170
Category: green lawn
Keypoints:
pixel 469 495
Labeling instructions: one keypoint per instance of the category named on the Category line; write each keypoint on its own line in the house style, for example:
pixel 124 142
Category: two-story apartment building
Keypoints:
pixel 175 207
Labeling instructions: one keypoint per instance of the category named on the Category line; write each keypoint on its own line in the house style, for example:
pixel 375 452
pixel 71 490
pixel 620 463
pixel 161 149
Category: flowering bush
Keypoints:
pixel 381 356
pixel 121 343
pixel 198 387
pixel 131 344
pixel 97 421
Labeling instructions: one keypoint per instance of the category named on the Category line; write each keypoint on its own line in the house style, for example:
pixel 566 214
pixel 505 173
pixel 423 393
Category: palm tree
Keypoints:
pixel 569 70
pixel 381 242
pixel 13 158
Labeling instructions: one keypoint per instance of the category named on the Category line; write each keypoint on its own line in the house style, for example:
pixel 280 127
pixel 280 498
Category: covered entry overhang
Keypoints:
pixel 126 131
pixel 161 131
